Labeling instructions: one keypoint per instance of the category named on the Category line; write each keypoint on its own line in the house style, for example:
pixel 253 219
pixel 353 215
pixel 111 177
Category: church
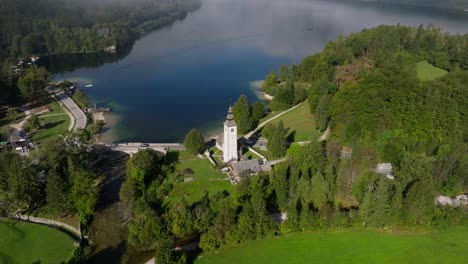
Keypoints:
pixel 228 144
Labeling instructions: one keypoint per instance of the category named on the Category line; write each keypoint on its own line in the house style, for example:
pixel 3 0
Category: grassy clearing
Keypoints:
pixel 300 122
pixel 428 72
pixel 350 246
pixel 32 243
pixel 54 123
pixel 52 127
pixel 206 178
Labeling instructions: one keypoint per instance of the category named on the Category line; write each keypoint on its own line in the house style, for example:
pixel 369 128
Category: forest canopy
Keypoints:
pixel 64 26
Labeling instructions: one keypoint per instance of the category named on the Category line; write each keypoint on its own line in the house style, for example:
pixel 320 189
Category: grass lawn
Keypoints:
pixel 265 153
pixel 300 122
pixel 205 178
pixel 33 243
pixel 249 154
pixel 428 72
pixel 53 123
pixel 350 246
pixel 52 126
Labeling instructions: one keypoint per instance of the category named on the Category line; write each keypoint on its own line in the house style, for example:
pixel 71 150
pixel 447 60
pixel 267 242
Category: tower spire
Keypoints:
pixel 230 115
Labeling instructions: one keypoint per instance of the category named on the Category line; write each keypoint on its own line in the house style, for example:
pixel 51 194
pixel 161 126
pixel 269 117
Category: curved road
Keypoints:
pixel 78 114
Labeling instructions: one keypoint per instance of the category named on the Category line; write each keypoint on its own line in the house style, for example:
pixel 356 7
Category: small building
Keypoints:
pixel 34 59
pixel 385 169
pixel 111 49
pixel 247 167
pixel 104 32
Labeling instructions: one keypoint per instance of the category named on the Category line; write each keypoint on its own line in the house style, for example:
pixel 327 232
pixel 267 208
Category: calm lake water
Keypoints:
pixel 185 75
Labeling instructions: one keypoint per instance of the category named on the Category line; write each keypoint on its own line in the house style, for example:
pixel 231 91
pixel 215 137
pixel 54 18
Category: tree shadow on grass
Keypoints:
pixel 53 124
pixel 172 157
pixel 291 136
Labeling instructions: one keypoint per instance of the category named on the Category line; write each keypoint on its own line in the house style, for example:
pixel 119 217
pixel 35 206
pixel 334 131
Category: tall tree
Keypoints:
pixel 194 142
pixel 270 83
pixel 33 83
pixel 57 192
pixel 144 167
pixel 146 228
pixel 245 228
pixel 258 111
pixel 320 190
pixel 284 73
pixel 243 114
pixel 277 140
pixel 84 192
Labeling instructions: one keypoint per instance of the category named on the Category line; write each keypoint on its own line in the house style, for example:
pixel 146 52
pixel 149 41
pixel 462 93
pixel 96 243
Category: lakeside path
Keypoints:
pixel 248 135
pixel 77 116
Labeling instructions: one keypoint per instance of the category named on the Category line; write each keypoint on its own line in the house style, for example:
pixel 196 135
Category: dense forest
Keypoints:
pixel 30 27
pixel 365 88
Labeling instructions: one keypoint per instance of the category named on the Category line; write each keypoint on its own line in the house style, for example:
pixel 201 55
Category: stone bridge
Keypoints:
pixel 134 147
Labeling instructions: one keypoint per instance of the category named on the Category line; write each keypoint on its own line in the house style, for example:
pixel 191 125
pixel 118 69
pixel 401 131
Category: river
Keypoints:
pixel 185 75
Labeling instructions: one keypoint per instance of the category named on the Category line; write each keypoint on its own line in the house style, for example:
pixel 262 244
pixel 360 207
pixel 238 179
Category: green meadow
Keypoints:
pixel 428 72
pixel 350 246
pixel 32 243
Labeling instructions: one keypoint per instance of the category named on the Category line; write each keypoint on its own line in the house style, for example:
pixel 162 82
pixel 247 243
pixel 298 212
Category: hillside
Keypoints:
pixel 447 4
pixel 392 94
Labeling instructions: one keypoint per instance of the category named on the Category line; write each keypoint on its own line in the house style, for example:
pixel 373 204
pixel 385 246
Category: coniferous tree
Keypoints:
pixel 322 115
pixel 245 229
pixel 57 192
pixel 258 111
pixel 284 73
pixel 243 115
pixel 270 84
pixel 280 184
pixel 367 206
pixel 320 190
pixel 382 203
pixel 277 140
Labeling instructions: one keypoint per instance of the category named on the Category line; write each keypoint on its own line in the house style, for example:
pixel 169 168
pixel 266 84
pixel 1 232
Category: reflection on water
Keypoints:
pixel 185 75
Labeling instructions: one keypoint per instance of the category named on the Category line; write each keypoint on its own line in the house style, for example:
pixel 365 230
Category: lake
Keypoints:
pixel 185 75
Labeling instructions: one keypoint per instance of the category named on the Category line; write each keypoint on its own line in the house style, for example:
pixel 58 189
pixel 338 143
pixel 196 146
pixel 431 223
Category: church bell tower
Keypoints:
pixel 230 152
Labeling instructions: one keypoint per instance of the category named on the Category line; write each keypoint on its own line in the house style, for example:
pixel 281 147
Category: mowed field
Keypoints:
pixel 54 123
pixel 205 178
pixel 301 123
pixel 428 72
pixel 33 243
pixel 350 246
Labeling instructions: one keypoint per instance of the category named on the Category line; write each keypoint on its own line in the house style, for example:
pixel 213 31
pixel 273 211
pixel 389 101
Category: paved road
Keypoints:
pixel 78 116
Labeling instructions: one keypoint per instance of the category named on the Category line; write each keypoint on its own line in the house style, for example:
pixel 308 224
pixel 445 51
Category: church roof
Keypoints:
pixel 250 166
pixel 220 140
